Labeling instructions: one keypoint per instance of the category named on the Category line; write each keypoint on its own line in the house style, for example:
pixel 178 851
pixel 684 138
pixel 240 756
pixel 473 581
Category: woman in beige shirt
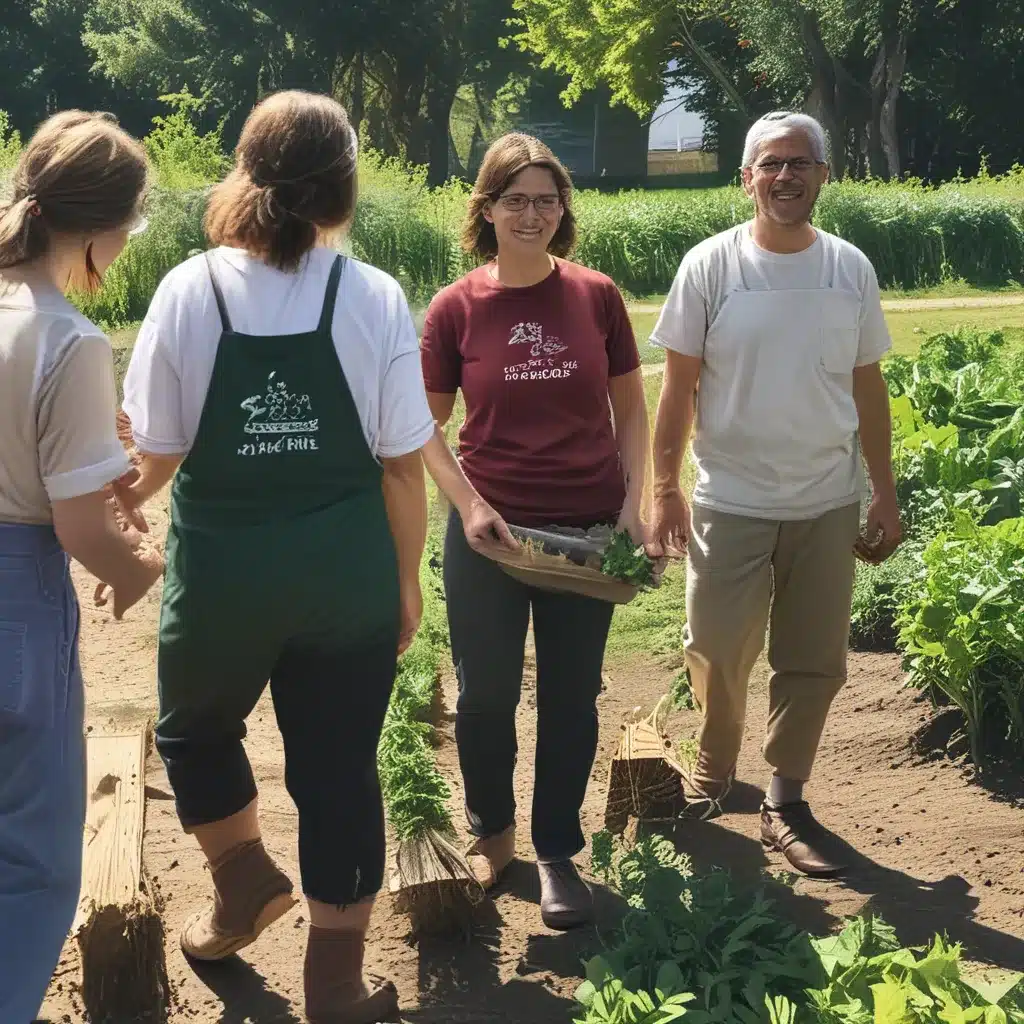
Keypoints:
pixel 75 198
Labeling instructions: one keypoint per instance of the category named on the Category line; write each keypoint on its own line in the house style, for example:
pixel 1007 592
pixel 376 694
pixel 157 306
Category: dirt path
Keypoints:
pixel 933 853
pixel 901 305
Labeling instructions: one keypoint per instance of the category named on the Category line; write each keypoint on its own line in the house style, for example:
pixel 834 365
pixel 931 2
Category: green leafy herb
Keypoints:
pixel 626 560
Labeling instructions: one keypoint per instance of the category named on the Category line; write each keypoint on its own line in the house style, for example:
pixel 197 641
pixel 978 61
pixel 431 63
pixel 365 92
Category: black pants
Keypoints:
pixel 330 701
pixel 488 615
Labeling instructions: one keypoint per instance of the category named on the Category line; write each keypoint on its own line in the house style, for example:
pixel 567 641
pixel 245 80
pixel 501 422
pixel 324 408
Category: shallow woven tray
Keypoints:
pixel 556 572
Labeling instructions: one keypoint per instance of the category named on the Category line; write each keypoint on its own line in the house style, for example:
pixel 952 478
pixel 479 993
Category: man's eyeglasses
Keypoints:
pixel 801 165
pixel 516 202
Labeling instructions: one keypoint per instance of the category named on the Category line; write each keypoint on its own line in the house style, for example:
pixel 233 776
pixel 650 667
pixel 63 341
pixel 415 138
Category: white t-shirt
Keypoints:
pixel 58 401
pixel 171 366
pixel 780 334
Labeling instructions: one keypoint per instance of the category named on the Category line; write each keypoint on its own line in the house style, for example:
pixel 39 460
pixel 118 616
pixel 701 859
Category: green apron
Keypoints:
pixel 279 532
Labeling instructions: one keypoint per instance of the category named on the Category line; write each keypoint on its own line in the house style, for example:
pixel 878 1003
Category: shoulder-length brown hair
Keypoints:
pixel 294 174
pixel 507 157
pixel 79 175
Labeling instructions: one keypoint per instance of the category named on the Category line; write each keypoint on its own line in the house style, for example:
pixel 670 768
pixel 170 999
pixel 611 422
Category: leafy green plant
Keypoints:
pixel 626 560
pixel 10 143
pixel 962 631
pixel 871 980
pixel 878 593
pixel 181 157
pixel 695 936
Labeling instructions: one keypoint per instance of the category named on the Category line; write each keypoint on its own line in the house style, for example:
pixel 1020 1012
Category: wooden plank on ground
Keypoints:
pixel 118 927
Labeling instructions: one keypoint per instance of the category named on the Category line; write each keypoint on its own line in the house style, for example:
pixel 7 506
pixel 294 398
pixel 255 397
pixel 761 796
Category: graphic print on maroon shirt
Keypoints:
pixel 533 365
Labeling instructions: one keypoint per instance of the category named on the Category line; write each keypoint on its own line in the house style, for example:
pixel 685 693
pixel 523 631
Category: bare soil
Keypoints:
pixel 931 851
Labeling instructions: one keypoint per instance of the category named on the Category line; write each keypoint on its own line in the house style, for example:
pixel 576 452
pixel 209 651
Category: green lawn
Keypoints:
pixel 908 327
pixel 946 290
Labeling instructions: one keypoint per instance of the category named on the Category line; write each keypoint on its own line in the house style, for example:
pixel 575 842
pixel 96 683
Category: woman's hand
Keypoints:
pixel 484 528
pixel 411 612
pixel 639 532
pixel 123 503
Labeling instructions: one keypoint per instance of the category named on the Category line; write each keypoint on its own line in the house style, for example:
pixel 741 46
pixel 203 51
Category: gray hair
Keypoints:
pixel 779 122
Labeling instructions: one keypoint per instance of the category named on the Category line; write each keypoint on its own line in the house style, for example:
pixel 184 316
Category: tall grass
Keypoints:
pixel 916 236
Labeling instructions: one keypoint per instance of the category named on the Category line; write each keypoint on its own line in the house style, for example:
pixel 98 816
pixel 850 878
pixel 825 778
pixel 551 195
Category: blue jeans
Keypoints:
pixel 42 764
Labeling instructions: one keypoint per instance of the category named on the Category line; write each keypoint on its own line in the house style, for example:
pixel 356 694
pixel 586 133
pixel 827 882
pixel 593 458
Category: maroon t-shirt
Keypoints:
pixel 533 365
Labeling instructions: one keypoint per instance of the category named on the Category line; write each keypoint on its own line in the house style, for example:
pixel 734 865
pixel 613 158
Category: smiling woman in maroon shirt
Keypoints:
pixel 555 434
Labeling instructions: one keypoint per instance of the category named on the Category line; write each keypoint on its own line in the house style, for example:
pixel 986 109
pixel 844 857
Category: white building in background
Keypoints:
pixel 675 139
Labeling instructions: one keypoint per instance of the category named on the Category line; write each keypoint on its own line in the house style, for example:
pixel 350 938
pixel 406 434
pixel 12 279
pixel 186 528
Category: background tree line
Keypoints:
pixel 927 87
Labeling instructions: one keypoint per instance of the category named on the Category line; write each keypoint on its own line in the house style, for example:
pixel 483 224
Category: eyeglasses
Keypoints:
pixel 801 165
pixel 516 202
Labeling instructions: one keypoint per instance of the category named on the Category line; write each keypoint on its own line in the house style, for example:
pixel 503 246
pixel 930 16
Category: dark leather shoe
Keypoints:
pixel 793 831
pixel 565 899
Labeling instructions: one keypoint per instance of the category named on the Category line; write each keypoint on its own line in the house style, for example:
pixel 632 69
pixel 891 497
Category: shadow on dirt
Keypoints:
pixel 917 909
pixel 244 993
pixel 464 985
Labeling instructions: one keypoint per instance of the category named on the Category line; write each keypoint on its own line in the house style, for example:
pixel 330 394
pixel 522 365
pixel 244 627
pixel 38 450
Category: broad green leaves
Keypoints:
pixel 695 949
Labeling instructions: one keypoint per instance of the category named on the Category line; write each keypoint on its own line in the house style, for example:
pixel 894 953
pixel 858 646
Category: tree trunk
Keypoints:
pixel 442 85
pixel 358 108
pixel 886 82
pixel 877 163
pixel 826 96
pixel 896 66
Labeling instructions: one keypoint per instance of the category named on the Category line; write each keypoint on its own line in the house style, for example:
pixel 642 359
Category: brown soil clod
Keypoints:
pixel 124 973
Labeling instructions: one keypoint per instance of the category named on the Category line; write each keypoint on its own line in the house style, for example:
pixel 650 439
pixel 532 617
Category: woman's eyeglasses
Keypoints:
pixel 516 202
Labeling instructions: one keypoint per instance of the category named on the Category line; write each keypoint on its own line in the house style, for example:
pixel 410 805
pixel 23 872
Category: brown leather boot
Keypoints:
pixel 336 990
pixel 793 831
pixel 488 858
pixel 249 893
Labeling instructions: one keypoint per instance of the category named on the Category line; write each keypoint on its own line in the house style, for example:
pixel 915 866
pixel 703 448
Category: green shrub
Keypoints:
pixel 878 594
pixel 962 632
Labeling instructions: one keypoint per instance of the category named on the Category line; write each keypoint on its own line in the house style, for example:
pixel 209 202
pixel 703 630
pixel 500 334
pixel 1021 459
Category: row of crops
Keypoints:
pixel 952 599
pixel 915 236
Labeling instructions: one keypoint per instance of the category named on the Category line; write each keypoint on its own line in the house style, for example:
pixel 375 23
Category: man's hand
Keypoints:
pixel 411 612
pixel 484 528
pixel 883 530
pixel 148 568
pixel 670 528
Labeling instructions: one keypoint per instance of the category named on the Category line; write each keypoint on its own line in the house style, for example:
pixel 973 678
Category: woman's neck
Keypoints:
pixel 56 267
pixel 521 273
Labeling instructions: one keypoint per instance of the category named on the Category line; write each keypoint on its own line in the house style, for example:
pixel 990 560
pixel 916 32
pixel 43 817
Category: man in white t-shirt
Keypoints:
pixel 773 334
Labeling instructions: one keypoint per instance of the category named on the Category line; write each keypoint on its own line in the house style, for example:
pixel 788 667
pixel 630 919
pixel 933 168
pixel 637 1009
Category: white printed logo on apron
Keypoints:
pixel 281 415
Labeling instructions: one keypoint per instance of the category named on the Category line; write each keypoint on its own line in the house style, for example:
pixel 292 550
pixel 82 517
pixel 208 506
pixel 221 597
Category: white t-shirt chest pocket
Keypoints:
pixel 839 313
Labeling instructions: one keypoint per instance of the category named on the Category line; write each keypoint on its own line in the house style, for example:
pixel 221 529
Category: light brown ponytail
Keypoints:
pixel 79 175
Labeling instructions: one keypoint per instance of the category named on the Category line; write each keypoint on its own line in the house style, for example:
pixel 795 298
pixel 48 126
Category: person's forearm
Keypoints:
pixel 634 439
pixel 88 532
pixel 446 472
pixel 672 428
pixel 405 497
pixel 871 397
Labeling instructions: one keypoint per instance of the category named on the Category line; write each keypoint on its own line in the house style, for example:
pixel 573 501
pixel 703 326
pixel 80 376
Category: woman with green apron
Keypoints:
pixel 284 381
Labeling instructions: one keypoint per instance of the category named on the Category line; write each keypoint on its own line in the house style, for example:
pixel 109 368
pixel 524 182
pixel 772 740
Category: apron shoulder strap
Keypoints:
pixel 225 320
pixel 331 296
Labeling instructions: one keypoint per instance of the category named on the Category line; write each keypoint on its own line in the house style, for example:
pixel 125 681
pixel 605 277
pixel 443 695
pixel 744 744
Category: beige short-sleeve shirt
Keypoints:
pixel 58 400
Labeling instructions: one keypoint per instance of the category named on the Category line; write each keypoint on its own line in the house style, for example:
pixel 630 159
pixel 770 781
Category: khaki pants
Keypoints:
pixel 744 574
